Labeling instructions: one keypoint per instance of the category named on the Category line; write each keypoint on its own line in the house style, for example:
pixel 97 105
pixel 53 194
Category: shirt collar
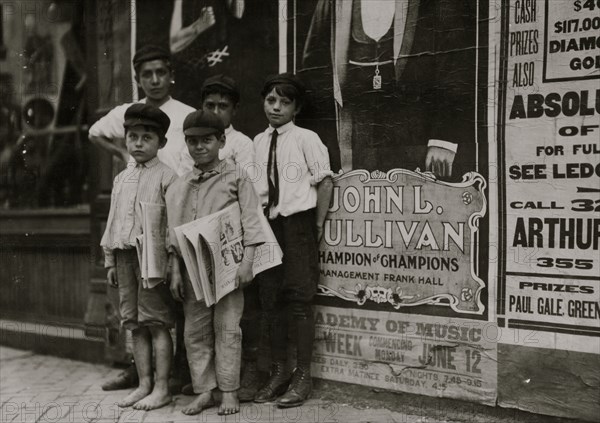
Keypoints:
pixel 143 100
pixel 288 126
pixel 150 163
pixel 200 175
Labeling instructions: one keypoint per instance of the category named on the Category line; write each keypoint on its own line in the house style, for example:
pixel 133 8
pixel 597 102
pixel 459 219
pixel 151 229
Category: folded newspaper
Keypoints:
pixel 212 249
pixel 151 245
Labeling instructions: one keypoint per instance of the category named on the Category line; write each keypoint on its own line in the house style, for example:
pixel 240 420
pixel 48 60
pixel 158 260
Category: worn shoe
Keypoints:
pixel 299 390
pixel 276 385
pixel 127 379
pixel 250 382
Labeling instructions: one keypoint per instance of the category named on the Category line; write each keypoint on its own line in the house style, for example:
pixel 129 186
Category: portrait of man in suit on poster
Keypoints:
pixel 402 77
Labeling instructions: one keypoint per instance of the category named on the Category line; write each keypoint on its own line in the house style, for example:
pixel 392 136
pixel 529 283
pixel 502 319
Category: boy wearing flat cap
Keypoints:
pixel 154 76
pixel 212 334
pixel 221 96
pixel 144 311
pixel 296 206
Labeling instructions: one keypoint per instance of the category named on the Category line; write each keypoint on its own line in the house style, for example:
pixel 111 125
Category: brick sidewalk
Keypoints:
pixel 47 389
pixel 37 388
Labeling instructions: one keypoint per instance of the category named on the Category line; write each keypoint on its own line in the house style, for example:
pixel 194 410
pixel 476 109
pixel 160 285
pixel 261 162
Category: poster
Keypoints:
pixel 548 299
pixel 392 84
pixel 405 239
pixel 550 197
pixel 422 355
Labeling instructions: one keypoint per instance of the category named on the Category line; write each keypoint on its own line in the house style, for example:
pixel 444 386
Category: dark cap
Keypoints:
pixel 284 78
pixel 223 81
pixel 150 52
pixel 146 115
pixel 202 123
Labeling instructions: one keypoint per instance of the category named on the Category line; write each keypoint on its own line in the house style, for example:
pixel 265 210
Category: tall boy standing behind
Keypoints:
pixel 295 188
pixel 221 96
pixel 212 335
pixel 144 311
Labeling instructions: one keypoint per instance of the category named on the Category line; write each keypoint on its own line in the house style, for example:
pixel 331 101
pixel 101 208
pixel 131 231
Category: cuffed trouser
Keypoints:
pixel 213 340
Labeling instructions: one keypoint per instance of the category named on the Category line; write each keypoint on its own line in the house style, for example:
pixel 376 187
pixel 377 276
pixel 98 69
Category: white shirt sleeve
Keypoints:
pixel 317 158
pixel 110 125
pixel 244 153
pixel 443 144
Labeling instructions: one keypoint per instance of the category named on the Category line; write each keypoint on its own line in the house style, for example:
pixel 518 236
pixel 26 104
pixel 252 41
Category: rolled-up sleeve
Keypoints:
pixel 110 125
pixel 317 159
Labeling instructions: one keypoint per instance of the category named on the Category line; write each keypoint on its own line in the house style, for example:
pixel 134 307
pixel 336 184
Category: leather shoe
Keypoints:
pixel 299 390
pixel 276 385
pixel 250 382
pixel 127 379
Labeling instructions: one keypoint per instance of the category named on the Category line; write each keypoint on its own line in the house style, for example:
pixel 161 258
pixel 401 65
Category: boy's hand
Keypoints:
pixel 176 286
pixel 244 274
pixel 111 277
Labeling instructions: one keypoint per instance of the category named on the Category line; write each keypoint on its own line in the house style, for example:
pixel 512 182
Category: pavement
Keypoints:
pixel 40 388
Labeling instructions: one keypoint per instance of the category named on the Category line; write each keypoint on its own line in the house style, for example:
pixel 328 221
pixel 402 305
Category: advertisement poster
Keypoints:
pixel 397 92
pixel 550 179
pixel 418 354
pixel 404 239
pixel 548 298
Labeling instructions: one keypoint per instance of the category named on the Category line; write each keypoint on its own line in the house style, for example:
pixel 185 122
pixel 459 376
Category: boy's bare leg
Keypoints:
pixel 230 403
pixel 202 401
pixel 142 353
pixel 163 353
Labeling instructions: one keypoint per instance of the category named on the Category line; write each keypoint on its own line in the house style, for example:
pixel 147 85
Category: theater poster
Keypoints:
pixel 208 37
pixel 549 200
pixel 398 94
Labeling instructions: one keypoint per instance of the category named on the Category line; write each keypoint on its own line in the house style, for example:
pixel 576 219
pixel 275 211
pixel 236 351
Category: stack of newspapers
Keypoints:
pixel 212 249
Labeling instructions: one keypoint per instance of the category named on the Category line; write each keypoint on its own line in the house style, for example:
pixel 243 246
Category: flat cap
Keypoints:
pixel 147 115
pixel 285 78
pixel 150 52
pixel 222 81
pixel 201 123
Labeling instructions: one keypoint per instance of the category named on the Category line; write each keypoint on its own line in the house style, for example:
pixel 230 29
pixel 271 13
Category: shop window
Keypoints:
pixel 43 141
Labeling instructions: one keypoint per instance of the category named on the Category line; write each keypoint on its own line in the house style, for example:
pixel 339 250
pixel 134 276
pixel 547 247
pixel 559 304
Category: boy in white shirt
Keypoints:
pixel 296 208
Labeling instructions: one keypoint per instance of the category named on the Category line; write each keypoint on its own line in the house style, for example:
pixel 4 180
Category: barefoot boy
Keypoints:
pixel 212 334
pixel 144 311
pixel 221 95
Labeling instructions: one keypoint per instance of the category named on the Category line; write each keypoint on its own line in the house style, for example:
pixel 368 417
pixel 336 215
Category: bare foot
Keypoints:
pixel 135 395
pixel 230 403
pixel 202 401
pixel 158 398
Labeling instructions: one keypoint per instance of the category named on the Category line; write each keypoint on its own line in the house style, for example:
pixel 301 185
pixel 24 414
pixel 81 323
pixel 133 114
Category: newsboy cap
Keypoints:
pixel 202 122
pixel 150 52
pixel 284 78
pixel 222 81
pixel 147 115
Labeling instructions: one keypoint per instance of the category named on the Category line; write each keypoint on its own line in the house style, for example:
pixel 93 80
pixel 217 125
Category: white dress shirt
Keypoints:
pixel 302 162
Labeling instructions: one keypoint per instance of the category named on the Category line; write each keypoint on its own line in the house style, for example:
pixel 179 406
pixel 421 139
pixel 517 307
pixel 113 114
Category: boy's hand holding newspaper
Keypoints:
pixel 244 272
pixel 176 280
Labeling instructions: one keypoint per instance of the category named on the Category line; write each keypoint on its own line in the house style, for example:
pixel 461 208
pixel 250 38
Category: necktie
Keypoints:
pixel 273 174
pixel 202 176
